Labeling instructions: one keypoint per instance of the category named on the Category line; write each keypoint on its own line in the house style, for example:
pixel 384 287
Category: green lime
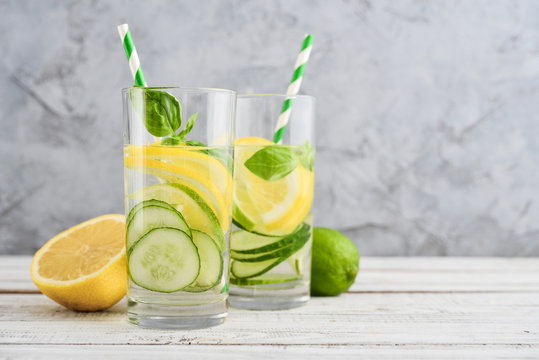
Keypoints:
pixel 335 262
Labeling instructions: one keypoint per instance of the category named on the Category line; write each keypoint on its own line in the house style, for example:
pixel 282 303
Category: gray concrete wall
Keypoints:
pixel 428 117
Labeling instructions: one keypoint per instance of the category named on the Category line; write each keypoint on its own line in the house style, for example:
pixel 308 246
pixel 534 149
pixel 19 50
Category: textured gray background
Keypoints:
pixel 428 116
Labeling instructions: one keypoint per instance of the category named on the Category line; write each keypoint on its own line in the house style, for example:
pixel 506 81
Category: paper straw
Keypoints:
pixel 132 56
pixel 293 88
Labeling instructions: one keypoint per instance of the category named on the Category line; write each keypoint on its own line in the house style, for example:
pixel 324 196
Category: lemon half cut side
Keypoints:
pixel 84 267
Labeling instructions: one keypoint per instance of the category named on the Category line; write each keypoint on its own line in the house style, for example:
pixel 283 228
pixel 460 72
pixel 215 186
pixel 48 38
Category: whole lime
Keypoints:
pixel 335 262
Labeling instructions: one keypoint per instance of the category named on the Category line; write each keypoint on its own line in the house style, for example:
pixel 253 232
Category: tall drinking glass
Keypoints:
pixel 270 246
pixel 178 146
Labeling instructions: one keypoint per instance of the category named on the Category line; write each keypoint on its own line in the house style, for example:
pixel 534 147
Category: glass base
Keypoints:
pixel 258 298
pixel 158 316
pixel 256 303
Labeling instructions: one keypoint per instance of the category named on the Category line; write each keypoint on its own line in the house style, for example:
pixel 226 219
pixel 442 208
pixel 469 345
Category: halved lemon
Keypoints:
pixel 186 176
pixel 84 267
pixel 269 207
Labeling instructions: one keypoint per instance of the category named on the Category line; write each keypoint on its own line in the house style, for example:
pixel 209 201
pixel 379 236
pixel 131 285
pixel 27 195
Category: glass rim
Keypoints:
pixel 189 88
pixel 255 96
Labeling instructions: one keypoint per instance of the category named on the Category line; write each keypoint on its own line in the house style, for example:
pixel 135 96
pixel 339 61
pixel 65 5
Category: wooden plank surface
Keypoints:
pixel 431 274
pixel 410 308
pixel 238 352
pixel 372 319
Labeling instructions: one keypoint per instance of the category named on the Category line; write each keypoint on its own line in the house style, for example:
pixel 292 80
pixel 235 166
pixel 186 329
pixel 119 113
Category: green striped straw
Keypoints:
pixel 293 88
pixel 132 56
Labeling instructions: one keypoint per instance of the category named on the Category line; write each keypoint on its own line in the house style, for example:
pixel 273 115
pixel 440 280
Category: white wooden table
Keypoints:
pixel 404 308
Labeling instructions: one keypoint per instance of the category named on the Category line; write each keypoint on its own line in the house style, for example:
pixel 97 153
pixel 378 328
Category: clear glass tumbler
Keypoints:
pixel 178 146
pixel 270 246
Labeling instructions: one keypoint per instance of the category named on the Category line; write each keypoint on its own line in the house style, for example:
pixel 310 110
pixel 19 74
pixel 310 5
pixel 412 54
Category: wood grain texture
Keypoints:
pixel 238 352
pixel 407 308
pixel 430 274
pixel 374 319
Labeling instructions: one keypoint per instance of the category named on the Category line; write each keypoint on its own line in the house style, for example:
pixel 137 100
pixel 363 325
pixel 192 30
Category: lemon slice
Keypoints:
pixel 186 176
pixel 269 207
pixel 202 164
pixel 84 267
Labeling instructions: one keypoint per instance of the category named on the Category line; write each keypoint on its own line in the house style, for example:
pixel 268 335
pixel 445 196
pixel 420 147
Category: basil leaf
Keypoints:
pixel 272 162
pixel 171 140
pixel 159 110
pixel 188 126
pixel 305 153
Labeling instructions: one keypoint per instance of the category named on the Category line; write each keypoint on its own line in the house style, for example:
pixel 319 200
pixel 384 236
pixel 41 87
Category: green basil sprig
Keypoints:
pixel 180 138
pixel 188 126
pixel 161 114
pixel 159 110
pixel 274 162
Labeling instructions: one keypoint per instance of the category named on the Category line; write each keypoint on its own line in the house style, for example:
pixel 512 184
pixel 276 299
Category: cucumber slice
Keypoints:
pixel 141 204
pixel 243 270
pixel 258 257
pixel 211 263
pixel 196 212
pixel 265 280
pixel 257 264
pixel 164 260
pixel 211 223
pixel 151 217
pixel 299 239
pixel 241 224
pixel 243 242
pixel 297 260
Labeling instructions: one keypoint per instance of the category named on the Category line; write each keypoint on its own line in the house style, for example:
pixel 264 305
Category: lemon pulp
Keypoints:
pixel 270 207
